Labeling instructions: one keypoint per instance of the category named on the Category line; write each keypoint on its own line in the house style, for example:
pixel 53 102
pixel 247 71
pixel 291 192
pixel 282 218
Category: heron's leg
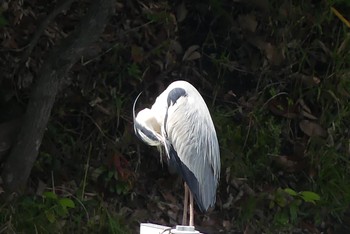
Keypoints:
pixel 184 215
pixel 191 210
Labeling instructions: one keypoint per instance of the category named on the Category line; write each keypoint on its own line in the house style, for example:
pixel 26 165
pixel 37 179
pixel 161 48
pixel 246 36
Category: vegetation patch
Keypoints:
pixel 274 74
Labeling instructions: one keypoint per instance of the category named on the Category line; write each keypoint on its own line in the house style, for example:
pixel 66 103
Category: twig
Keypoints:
pixel 340 16
pixel 248 133
pixel 53 182
pixel 86 171
pixel 274 96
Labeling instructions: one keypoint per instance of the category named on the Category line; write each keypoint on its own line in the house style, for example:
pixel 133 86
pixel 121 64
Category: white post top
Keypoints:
pixel 184 230
pixel 150 228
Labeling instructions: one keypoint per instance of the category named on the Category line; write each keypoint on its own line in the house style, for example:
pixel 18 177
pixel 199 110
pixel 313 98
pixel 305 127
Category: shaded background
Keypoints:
pixel 274 74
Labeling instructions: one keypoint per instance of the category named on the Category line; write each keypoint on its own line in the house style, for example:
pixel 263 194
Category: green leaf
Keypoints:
pixel 309 196
pixel 50 215
pixel 293 211
pixel 61 211
pixel 66 202
pixel 97 173
pixel 110 175
pixel 290 192
pixel 281 218
pixel 50 195
pixel 134 71
pixel 3 21
pixel 281 201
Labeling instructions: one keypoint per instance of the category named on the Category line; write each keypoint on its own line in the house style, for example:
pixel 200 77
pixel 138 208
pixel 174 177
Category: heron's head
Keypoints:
pixel 146 126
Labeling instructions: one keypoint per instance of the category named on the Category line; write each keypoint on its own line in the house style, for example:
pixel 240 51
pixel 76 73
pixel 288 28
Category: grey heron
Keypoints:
pixel 180 121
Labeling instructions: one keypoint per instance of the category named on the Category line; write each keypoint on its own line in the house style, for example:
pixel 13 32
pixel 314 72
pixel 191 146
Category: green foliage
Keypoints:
pixel 58 207
pixel 333 180
pixel 250 145
pixel 332 2
pixel 162 17
pixel 111 180
pixel 3 21
pixel 306 196
pixel 253 143
pixel 51 213
pixel 280 209
pixel 134 71
pixel 289 205
pixel 37 214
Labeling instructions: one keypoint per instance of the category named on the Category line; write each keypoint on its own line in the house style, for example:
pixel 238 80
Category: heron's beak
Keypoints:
pixel 136 130
pixel 133 108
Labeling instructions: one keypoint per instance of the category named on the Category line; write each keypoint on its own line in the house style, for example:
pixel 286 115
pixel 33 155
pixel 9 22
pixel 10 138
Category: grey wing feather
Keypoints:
pixel 190 132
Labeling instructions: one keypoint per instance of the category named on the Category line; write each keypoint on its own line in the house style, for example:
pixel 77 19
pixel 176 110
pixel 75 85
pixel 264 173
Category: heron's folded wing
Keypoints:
pixel 193 148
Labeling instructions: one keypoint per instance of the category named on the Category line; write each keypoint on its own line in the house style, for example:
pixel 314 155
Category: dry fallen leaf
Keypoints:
pixel 305 110
pixel 227 225
pixel 189 53
pixel 303 105
pixel 273 54
pixel 176 46
pixel 281 107
pixel 181 12
pixel 169 197
pixel 285 162
pixel 311 128
pixel 195 55
pixel 307 115
pixel 41 188
pixel 137 53
pixel 308 81
pixel 139 215
pixel 316 80
pixel 248 22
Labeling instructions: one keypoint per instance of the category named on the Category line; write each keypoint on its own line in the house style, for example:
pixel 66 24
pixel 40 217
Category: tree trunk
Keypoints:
pixel 61 58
